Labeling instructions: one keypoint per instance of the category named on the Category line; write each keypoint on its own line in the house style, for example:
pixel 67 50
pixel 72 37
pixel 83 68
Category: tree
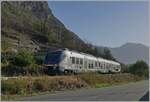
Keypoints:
pixel 124 68
pixel 140 68
pixel 107 54
pixel 23 58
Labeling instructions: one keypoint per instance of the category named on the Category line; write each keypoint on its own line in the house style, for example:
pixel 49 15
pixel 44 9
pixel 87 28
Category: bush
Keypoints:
pixel 40 85
pixel 13 70
pixel 39 60
pixel 23 58
pixel 7 57
pixel 13 86
pixel 140 68
pixel 34 70
pixel 20 63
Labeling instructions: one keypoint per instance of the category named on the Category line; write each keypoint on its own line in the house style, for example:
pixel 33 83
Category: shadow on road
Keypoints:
pixel 145 97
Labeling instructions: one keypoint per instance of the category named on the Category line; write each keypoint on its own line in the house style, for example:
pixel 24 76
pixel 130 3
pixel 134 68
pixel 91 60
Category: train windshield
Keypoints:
pixel 53 58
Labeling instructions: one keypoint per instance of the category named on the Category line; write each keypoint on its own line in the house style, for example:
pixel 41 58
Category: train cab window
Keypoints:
pixel 53 57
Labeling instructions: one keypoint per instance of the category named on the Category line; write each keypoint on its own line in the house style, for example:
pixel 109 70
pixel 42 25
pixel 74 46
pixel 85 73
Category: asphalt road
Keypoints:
pixel 127 92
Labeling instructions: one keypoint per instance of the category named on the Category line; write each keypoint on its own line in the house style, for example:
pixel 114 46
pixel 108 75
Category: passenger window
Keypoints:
pixel 73 60
pixel 81 61
pixel 89 65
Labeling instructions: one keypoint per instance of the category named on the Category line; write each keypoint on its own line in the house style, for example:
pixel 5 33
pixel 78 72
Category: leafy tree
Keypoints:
pixel 140 68
pixel 107 54
pixel 23 58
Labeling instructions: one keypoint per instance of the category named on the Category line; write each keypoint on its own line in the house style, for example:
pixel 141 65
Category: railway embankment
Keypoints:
pixel 16 87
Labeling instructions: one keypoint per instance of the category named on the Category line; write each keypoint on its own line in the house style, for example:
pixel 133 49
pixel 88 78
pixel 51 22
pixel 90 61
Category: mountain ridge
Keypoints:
pixel 129 53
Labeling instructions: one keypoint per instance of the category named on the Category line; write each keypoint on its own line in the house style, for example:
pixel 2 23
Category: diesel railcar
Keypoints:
pixel 67 61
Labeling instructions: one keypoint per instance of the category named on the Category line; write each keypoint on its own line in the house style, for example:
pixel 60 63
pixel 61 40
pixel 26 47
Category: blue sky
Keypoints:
pixel 104 23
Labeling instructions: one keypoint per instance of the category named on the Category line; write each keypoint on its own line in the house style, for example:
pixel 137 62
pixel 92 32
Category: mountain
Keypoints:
pixel 32 25
pixel 131 52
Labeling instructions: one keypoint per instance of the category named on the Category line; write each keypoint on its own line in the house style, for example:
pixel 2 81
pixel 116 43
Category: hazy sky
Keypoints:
pixel 104 23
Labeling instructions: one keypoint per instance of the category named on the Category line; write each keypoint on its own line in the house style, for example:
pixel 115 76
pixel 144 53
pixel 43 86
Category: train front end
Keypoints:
pixel 52 62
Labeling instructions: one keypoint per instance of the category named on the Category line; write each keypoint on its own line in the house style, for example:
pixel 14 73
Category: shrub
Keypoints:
pixel 13 86
pixel 13 70
pixel 23 58
pixel 7 57
pixel 140 68
pixel 34 70
pixel 40 85
pixel 39 60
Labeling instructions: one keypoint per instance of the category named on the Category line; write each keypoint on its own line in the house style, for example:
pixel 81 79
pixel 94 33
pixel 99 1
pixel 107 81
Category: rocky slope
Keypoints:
pixel 31 24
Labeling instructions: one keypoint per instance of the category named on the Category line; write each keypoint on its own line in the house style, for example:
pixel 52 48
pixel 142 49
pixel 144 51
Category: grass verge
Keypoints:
pixel 14 88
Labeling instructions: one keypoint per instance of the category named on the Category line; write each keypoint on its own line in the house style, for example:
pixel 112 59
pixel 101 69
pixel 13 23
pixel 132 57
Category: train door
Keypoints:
pixel 85 64
pixel 70 63
pixel 73 63
pixel 81 64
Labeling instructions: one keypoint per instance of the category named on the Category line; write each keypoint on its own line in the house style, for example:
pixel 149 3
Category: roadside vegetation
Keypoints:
pixel 21 63
pixel 25 86
pixel 102 80
pixel 26 77
pixel 140 68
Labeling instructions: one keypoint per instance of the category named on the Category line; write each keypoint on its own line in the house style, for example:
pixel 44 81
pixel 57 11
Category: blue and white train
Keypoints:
pixel 67 61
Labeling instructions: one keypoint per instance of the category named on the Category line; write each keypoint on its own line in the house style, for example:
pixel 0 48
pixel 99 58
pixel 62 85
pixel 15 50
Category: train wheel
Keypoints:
pixel 74 73
pixel 109 72
pixel 66 72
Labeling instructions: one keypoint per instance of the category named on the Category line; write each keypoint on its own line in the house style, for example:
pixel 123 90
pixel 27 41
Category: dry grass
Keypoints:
pixel 95 80
pixel 21 86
